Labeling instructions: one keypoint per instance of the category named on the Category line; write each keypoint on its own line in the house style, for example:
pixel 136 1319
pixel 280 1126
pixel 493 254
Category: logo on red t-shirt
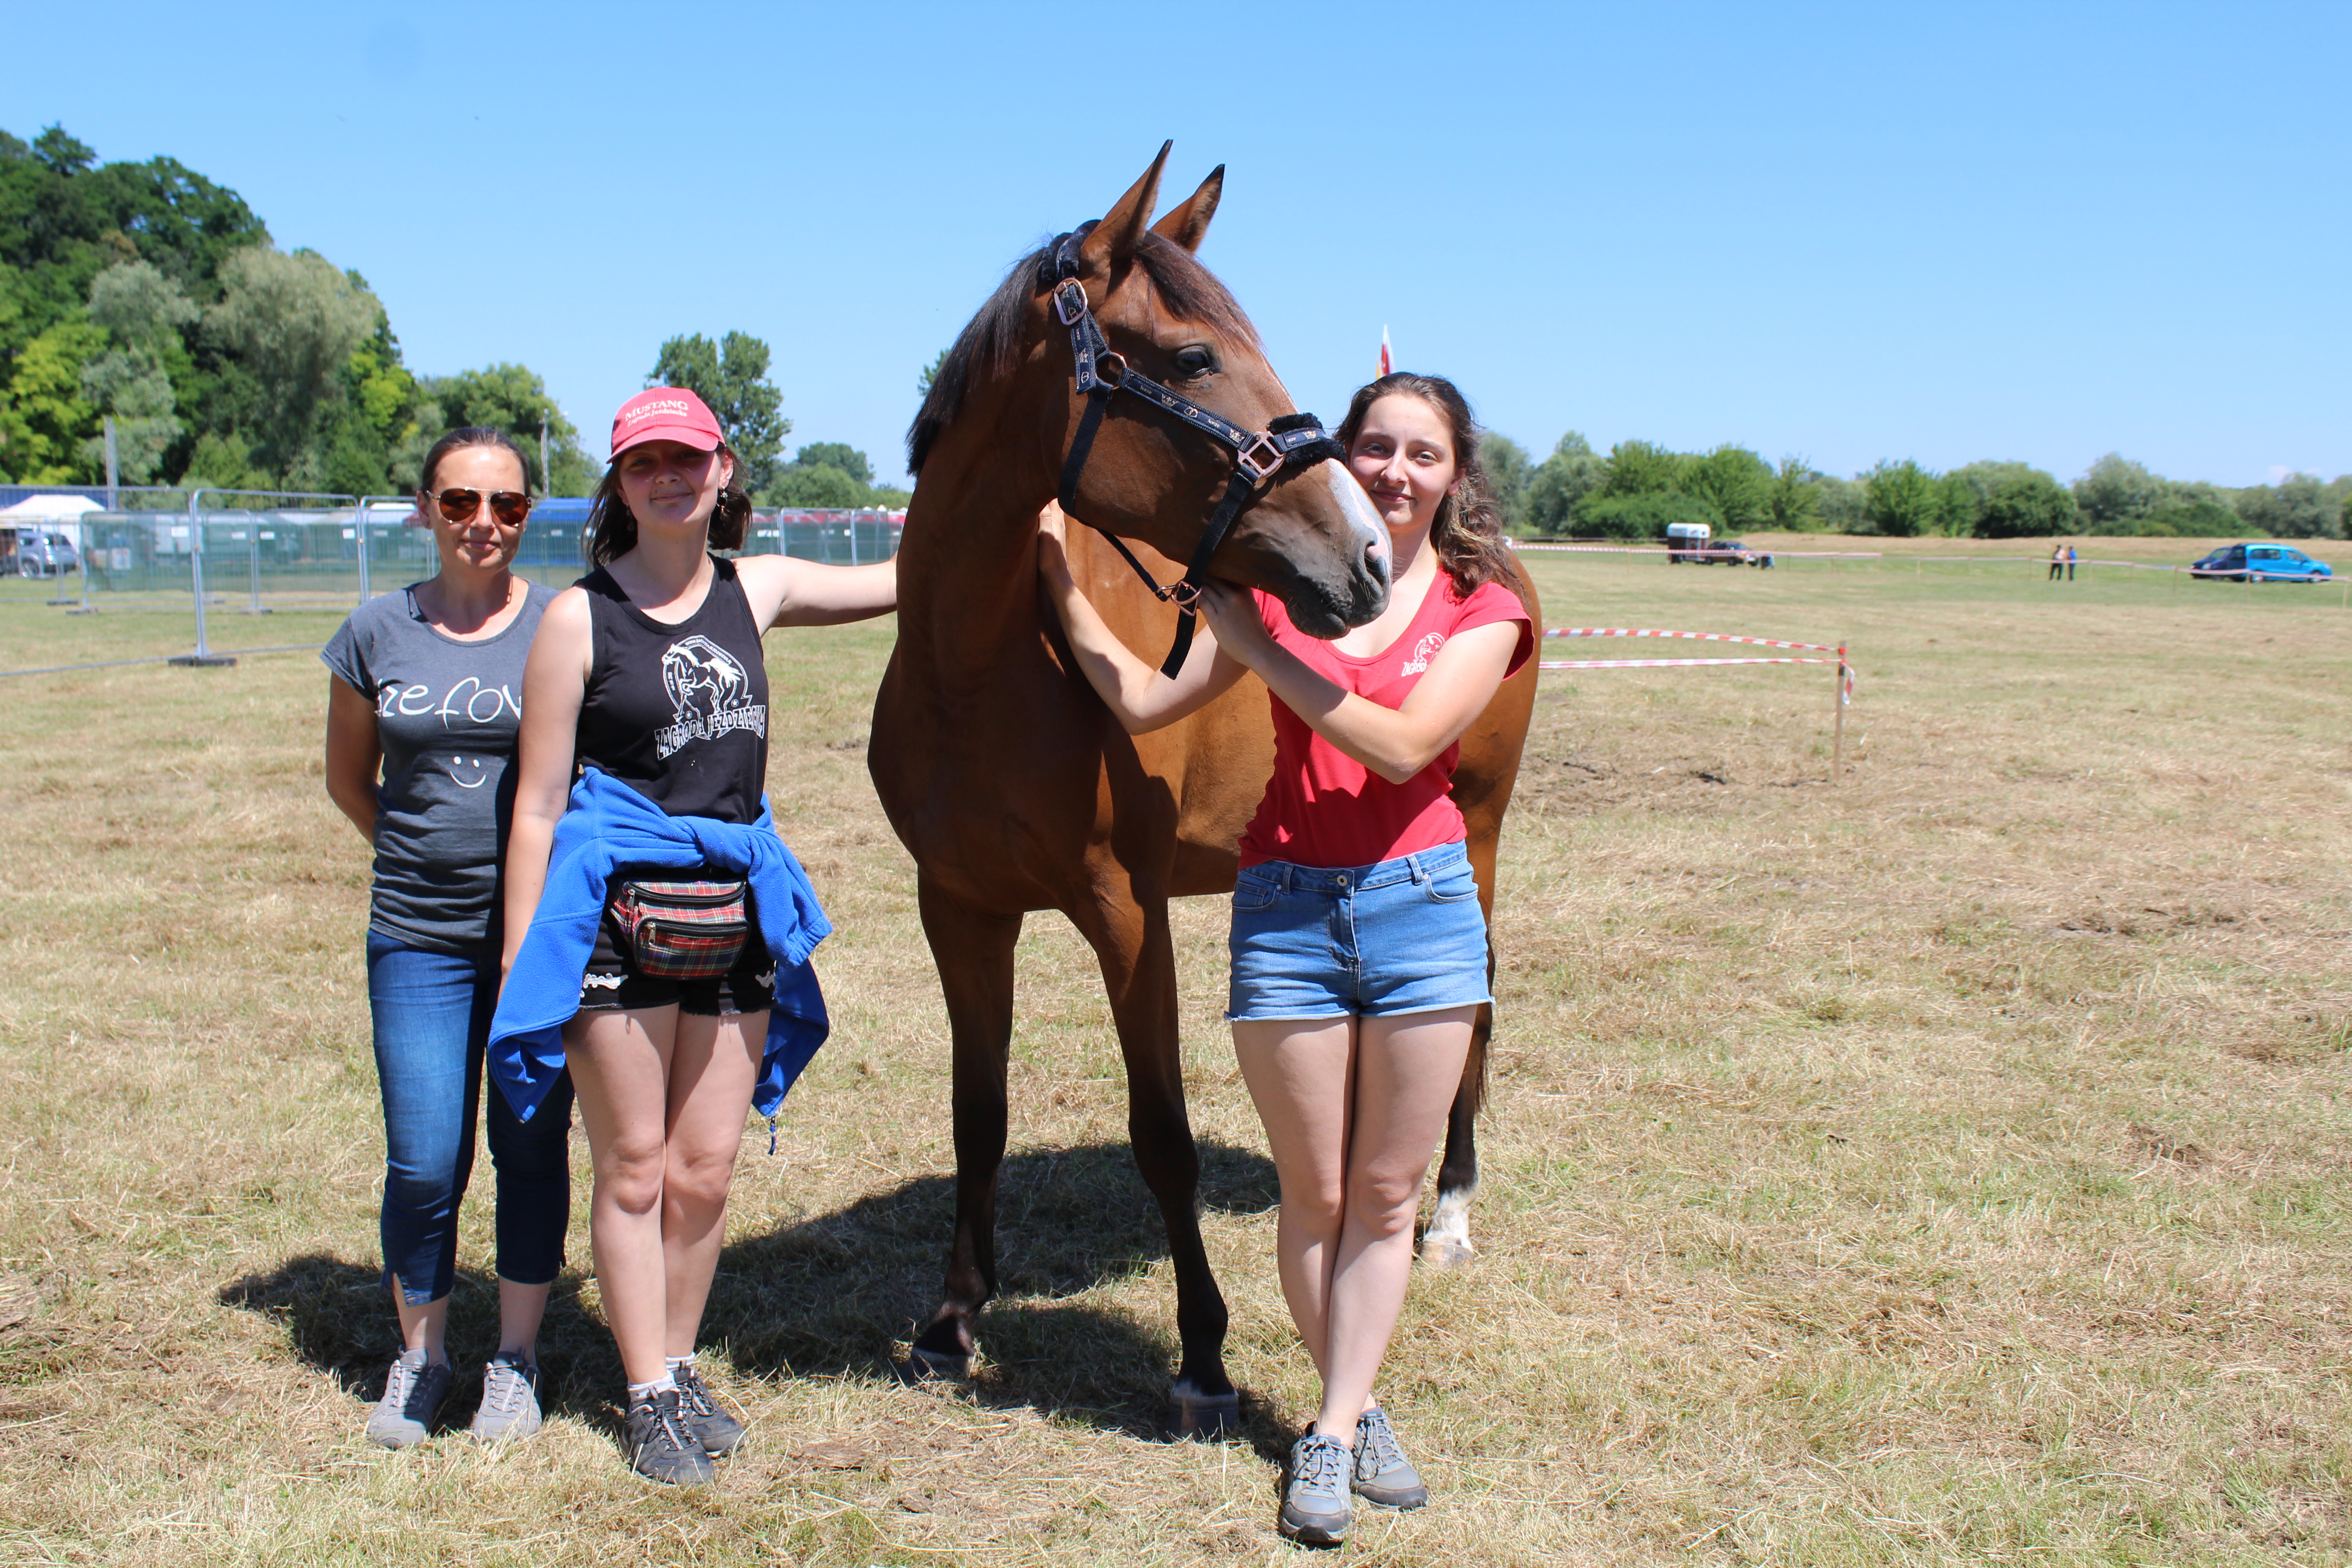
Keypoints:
pixel 1422 652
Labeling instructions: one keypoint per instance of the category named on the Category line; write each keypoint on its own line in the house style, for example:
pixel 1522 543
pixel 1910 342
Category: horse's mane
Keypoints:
pixel 1187 290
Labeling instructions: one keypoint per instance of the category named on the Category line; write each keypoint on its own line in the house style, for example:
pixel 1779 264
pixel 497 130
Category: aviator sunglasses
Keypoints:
pixel 510 507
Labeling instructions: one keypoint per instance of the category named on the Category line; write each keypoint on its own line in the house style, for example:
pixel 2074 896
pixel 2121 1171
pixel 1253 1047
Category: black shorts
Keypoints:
pixel 613 983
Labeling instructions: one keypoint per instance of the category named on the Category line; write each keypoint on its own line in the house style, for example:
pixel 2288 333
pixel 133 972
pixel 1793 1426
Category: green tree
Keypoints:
pixel 814 485
pixel 1644 515
pixel 513 398
pixel 2016 501
pixel 43 417
pixel 1565 477
pixel 1643 468
pixel 142 311
pixel 1508 474
pixel 1735 483
pixel 731 376
pixel 2296 507
pixel 1903 499
pixel 1796 504
pixel 929 374
pixel 293 322
pixel 1843 508
pixel 2115 494
pixel 835 454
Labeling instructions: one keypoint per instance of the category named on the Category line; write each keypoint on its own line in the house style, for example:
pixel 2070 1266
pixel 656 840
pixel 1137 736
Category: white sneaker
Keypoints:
pixel 509 1399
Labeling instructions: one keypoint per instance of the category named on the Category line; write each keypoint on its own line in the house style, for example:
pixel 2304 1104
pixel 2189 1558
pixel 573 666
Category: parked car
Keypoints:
pixel 2262 564
pixel 46 554
pixel 1731 553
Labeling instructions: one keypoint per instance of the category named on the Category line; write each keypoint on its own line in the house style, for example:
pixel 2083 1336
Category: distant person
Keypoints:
pixel 1359 947
pixel 658 930
pixel 2070 563
pixel 422 717
pixel 2057 561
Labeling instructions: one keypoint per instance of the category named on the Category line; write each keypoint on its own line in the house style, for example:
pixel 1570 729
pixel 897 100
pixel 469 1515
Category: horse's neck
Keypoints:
pixel 968 565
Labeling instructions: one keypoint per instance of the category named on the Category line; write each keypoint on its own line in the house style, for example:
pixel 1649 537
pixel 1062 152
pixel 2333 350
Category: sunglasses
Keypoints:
pixel 510 507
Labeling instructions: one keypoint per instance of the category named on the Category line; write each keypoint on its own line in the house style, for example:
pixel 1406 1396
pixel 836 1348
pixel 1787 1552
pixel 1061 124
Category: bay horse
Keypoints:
pixel 1014 787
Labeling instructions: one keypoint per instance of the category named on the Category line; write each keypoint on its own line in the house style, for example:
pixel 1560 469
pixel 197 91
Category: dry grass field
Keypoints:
pixel 1944 1166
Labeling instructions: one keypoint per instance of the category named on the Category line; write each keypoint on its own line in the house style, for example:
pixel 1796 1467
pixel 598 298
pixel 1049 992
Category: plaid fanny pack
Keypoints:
pixel 682 930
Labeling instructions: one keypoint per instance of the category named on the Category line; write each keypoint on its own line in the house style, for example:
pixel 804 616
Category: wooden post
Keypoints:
pixel 1837 719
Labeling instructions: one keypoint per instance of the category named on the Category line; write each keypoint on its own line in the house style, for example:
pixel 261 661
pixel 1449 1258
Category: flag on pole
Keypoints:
pixel 1385 350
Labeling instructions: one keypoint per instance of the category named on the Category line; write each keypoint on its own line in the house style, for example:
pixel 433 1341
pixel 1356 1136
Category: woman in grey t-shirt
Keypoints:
pixel 421 717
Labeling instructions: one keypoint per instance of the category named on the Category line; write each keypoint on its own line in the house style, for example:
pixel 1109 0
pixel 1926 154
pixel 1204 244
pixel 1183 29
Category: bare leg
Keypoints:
pixel 620 1069
pixel 712 1069
pixel 1407 1068
pixel 1297 1072
pixel 425 1328
pixel 521 1308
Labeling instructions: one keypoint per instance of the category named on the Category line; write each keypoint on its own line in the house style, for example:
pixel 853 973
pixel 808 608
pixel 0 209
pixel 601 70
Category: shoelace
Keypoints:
pixel 669 1421
pixel 1323 1466
pixel 404 1384
pixel 1376 1442
pixel 506 1395
pixel 693 1394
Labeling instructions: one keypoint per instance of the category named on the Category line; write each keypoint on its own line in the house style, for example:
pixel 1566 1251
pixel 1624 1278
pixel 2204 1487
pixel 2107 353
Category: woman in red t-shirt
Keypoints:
pixel 1359 949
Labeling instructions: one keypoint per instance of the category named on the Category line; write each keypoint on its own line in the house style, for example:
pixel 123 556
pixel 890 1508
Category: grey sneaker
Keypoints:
pixel 509 1406
pixel 1383 1475
pixel 659 1446
pixel 719 1432
pixel 413 1394
pixel 1315 1507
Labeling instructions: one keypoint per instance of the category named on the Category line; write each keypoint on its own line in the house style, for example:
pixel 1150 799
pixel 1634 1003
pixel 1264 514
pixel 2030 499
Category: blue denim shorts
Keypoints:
pixel 1401 936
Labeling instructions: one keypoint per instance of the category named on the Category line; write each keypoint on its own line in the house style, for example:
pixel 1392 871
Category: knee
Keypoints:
pixel 629 1176
pixel 1384 1204
pixel 699 1177
pixel 1319 1205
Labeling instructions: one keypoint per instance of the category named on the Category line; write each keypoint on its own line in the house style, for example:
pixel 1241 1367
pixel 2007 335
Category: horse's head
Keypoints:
pixel 1307 535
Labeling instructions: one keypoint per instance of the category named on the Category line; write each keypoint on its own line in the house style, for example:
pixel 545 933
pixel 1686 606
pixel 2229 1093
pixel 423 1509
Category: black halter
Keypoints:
pixel 1289 441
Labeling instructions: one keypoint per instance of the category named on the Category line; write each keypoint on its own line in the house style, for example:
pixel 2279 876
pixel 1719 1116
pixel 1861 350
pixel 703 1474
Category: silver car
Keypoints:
pixel 46 555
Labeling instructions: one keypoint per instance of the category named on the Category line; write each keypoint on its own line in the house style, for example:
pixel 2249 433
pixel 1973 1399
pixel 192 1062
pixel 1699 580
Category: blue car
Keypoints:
pixel 2262 564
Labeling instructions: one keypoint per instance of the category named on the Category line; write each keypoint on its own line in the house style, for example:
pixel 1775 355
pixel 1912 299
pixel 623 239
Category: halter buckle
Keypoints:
pixel 1070 301
pixel 1183 596
pixel 1263 456
pixel 1110 368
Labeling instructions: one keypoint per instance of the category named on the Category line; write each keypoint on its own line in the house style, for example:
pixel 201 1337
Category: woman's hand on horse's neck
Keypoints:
pixel 668 575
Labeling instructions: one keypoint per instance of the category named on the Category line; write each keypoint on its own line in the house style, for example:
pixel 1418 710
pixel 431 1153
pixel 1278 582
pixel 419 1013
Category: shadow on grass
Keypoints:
pixel 835 1295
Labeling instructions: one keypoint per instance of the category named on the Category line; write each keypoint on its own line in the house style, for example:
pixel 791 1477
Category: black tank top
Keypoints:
pixel 679 713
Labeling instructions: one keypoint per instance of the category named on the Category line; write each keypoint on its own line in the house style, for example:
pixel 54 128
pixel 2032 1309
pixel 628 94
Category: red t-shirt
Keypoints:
pixel 1322 807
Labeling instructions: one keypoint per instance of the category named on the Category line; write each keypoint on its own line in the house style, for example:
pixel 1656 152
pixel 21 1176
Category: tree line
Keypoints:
pixel 1640 487
pixel 146 294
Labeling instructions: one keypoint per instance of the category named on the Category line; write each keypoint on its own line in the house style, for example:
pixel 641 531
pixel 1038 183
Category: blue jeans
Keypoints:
pixel 432 1014
pixel 1401 936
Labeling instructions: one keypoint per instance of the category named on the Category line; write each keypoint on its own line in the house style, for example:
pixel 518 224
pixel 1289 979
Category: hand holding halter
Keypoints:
pixel 1291 440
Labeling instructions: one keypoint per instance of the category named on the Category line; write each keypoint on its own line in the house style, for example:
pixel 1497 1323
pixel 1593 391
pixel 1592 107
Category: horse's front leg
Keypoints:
pixel 1446 1243
pixel 973 949
pixel 1129 932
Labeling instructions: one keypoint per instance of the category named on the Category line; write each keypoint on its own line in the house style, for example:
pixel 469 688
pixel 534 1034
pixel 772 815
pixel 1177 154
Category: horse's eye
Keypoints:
pixel 1194 360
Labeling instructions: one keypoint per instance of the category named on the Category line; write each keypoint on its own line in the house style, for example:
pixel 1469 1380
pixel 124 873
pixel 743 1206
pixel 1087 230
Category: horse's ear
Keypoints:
pixel 1187 224
pixel 1115 238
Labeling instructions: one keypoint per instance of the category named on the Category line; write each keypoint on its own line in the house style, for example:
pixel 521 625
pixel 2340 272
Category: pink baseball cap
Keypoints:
pixel 666 414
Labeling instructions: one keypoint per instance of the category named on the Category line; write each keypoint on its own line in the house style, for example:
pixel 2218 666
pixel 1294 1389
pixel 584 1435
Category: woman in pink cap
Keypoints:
pixel 658 887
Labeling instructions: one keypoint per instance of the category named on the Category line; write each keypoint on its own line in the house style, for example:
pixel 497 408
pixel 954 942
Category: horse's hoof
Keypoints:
pixel 1194 1415
pixel 1445 1252
pixel 936 1366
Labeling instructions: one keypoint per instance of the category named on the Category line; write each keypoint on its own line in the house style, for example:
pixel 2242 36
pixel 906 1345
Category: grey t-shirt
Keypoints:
pixel 447 713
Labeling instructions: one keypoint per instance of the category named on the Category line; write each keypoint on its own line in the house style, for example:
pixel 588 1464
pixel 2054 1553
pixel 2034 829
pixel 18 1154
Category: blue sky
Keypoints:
pixel 1944 232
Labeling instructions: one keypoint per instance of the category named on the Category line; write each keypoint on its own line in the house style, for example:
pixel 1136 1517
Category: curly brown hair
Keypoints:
pixel 1467 533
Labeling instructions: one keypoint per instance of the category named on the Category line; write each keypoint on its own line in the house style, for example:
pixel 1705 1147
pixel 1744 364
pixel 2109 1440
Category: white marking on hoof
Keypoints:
pixel 1446 1243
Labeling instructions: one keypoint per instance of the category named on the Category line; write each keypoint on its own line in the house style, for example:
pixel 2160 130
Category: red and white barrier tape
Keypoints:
pixel 1846 693
pixel 1701 636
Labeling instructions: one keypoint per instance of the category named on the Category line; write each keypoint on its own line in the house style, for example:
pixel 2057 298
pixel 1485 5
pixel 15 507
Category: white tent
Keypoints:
pixel 62 513
pixel 48 508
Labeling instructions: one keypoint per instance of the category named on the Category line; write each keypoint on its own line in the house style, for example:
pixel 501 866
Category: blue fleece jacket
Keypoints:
pixel 609 826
